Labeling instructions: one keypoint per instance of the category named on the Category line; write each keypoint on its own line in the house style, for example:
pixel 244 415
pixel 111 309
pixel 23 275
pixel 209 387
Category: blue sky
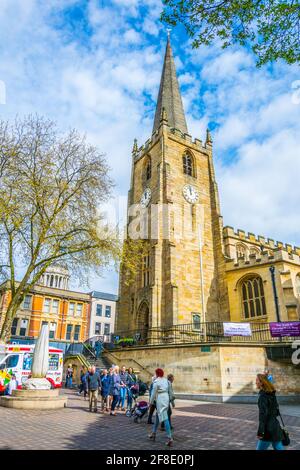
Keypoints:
pixel 95 65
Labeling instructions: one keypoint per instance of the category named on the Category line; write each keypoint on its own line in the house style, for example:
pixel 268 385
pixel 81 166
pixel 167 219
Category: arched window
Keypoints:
pixel 146 271
pixel 148 169
pixel 253 297
pixel 188 167
pixel 297 285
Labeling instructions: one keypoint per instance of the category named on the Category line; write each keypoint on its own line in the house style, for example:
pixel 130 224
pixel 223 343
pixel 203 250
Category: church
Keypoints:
pixel 195 269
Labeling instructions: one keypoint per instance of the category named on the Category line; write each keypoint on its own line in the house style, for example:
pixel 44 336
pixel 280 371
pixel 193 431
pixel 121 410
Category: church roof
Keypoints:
pixel 169 95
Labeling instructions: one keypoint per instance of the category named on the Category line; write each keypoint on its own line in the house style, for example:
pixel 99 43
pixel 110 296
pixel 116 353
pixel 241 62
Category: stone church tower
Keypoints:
pixel 173 190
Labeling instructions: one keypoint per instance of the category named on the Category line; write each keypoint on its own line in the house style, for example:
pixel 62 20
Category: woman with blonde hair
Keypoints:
pixel 269 430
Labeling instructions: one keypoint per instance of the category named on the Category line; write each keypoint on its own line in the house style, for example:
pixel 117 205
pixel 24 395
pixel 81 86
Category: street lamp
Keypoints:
pixel 272 271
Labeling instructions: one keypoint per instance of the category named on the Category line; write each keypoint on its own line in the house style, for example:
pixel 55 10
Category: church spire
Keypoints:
pixel 169 95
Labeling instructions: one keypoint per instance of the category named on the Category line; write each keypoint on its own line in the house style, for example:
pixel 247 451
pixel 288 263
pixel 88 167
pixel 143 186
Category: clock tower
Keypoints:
pixel 173 205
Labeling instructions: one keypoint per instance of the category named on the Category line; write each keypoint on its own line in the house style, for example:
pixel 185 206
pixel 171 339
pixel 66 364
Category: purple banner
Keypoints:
pixel 287 328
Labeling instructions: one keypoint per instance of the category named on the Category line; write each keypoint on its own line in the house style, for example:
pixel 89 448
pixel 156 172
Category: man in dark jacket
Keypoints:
pixel 83 384
pixel 269 430
pixel 93 384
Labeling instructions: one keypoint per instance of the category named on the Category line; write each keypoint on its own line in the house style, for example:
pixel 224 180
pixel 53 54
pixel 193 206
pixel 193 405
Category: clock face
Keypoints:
pixel 146 197
pixel 190 194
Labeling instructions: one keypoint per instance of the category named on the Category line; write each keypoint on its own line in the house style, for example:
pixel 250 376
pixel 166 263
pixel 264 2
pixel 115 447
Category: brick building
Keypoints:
pixel 50 301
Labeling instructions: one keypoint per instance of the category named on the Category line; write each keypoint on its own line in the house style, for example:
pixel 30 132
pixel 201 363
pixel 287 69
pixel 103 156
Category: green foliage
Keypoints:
pixel 51 187
pixel 132 255
pixel 125 342
pixel 270 27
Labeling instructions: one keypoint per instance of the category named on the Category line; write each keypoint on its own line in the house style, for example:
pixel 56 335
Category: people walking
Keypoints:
pixel 69 376
pixel 98 348
pixel 111 386
pixel 269 430
pixel 162 395
pixel 172 402
pixel 152 405
pixel 116 385
pixel 93 384
pixel 130 384
pixel 105 388
pixel 123 388
pixel 83 382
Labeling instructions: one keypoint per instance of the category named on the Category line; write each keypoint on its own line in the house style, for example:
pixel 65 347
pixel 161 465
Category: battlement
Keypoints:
pixel 176 132
pixel 259 240
pixel 263 258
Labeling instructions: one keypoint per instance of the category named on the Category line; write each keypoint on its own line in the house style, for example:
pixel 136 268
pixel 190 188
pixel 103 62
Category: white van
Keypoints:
pixel 17 360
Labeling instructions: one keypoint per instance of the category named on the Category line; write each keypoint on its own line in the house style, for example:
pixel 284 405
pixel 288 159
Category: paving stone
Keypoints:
pixel 197 426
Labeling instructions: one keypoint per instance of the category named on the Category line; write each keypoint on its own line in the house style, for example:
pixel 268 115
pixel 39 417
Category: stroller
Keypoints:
pixel 139 411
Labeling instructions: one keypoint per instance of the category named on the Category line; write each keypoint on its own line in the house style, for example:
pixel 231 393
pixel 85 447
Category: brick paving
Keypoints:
pixel 198 425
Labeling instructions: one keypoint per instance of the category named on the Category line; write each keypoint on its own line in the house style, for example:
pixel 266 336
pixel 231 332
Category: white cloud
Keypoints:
pixel 100 82
pixel 260 192
pixel 150 26
pixel 132 37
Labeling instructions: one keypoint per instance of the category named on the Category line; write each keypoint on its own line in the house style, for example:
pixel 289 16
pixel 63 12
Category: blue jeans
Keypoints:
pixel 264 445
pixel 123 391
pixel 167 426
pixel 69 382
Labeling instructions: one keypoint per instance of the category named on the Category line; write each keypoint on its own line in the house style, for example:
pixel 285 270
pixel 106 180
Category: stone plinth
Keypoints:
pixel 34 400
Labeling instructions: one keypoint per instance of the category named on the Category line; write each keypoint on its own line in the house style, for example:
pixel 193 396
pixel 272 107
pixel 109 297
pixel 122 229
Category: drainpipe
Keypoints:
pixel 272 271
pixel 202 281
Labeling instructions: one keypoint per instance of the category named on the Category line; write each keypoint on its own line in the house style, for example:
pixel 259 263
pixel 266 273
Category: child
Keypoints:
pixel 13 385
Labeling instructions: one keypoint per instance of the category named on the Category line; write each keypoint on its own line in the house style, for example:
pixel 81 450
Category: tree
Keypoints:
pixel 270 27
pixel 51 186
pixel 133 253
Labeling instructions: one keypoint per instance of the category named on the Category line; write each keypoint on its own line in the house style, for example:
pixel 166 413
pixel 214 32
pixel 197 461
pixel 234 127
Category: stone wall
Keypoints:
pixel 216 372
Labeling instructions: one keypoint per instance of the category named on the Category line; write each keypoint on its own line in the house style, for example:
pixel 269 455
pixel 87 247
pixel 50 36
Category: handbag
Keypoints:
pixel 286 437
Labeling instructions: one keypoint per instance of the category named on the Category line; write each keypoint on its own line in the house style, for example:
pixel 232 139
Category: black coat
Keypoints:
pixel 269 427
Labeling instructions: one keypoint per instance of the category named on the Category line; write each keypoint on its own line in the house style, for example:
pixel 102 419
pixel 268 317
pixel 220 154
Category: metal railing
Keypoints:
pixel 81 348
pixel 210 332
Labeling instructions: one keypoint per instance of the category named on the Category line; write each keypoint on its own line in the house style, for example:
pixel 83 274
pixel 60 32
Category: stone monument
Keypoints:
pixel 40 363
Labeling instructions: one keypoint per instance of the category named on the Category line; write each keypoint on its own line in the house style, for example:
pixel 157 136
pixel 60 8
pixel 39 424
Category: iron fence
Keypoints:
pixel 210 332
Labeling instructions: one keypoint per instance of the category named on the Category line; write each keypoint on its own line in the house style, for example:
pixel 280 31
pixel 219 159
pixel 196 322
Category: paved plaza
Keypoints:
pixel 198 425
